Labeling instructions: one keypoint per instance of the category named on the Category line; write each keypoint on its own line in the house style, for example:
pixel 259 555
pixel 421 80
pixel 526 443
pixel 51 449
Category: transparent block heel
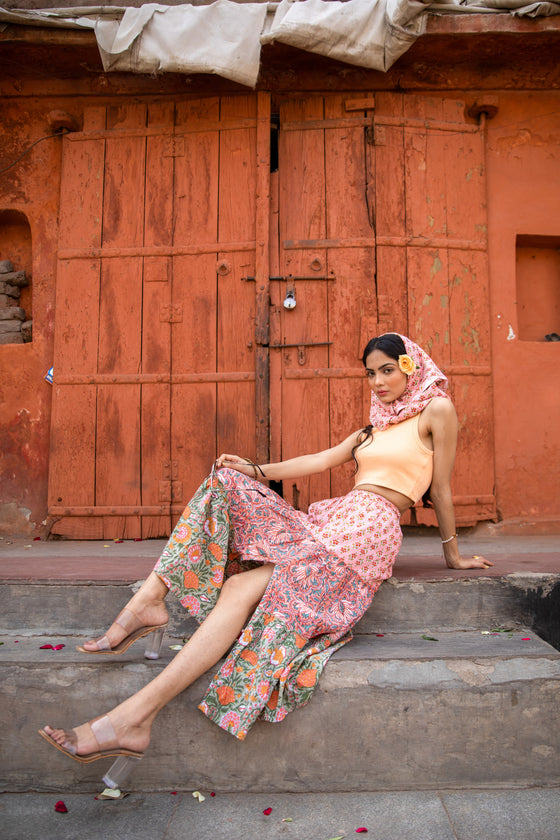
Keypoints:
pixel 153 644
pixel 119 771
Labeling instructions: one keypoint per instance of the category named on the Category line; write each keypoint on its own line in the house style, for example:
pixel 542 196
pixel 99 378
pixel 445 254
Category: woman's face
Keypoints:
pixel 385 377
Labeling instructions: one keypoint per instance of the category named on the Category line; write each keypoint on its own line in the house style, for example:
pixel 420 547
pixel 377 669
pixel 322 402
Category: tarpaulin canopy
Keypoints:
pixel 225 37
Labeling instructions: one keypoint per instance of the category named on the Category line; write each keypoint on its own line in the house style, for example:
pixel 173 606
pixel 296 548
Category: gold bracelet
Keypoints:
pixel 450 538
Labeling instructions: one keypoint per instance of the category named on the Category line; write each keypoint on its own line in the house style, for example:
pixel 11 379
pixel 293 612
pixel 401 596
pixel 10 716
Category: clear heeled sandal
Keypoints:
pixel 119 771
pixel 127 619
pixel 102 728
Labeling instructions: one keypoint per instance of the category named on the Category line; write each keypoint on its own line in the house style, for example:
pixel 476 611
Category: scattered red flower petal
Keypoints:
pixel 526 639
pixel 16 641
pixel 267 811
pixel 58 647
pixel 118 541
pixel 173 793
pixel 379 635
pixel 361 830
pixel 212 794
pixel 36 538
pixel 137 539
pixel 61 807
pixel 46 647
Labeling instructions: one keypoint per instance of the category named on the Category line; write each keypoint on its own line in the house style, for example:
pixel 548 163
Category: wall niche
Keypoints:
pixel 16 294
pixel 537 261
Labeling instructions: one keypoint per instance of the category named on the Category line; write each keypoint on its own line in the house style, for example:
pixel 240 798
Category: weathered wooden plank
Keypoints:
pixel 193 406
pixel 72 454
pixel 305 405
pixel 350 167
pixel 464 163
pixel 118 456
pixel 109 253
pixel 263 212
pixel 159 130
pixel 152 378
pixel 428 302
pixel 156 333
pixel 118 473
pixel 78 527
pixel 235 406
pixel 72 449
pixel 390 216
pixel 275 325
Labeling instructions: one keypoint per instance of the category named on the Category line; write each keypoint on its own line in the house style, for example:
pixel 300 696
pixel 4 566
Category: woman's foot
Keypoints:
pixel 110 734
pixel 144 610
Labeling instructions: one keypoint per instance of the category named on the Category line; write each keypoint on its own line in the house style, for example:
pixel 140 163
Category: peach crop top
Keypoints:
pixel 397 459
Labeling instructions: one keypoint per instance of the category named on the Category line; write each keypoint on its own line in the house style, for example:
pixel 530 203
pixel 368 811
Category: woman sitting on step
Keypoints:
pixel 283 587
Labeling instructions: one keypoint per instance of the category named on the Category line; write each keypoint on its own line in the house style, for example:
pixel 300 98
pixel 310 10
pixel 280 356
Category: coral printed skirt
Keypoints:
pixel 328 564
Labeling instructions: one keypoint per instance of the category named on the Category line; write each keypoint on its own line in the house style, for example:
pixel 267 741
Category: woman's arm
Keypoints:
pixel 443 425
pixel 295 467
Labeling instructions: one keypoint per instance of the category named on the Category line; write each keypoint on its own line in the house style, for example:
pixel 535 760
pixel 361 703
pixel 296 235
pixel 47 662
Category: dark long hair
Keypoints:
pixel 393 346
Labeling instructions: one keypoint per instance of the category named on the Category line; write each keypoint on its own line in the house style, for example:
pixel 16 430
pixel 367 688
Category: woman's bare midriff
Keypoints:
pixel 398 499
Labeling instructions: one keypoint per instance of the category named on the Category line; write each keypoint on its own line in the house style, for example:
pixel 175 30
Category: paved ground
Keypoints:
pixel 420 557
pixel 422 815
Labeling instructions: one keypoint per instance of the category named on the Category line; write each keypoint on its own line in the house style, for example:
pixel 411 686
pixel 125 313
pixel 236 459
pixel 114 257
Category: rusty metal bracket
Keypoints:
pixel 293 279
pixel 301 348
pixel 486 106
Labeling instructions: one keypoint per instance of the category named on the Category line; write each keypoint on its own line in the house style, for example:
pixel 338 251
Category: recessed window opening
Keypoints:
pixel 538 287
pixel 16 313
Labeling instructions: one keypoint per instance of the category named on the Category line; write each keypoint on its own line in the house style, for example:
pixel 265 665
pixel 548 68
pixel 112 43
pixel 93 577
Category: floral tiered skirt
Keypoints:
pixel 328 564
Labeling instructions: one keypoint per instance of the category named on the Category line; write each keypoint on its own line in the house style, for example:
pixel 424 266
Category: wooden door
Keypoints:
pixel 154 367
pixel 172 342
pixel 382 226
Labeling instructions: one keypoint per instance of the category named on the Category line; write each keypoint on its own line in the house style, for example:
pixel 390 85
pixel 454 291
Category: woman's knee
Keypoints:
pixel 247 588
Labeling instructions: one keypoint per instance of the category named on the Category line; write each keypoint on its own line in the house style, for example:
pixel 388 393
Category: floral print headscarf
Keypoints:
pixel 426 382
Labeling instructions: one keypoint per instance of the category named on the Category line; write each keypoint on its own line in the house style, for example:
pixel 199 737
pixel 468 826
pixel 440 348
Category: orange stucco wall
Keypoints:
pixel 523 160
pixel 31 188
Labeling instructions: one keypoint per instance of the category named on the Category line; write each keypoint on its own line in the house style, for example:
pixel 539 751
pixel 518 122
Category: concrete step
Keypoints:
pixel 401 605
pixel 394 712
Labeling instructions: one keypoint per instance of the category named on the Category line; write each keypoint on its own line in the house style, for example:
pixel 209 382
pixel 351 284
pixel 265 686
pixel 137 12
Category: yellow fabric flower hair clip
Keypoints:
pixel 407 365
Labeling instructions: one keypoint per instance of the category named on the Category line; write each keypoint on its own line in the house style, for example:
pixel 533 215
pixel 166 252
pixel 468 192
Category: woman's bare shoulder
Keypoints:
pixel 440 410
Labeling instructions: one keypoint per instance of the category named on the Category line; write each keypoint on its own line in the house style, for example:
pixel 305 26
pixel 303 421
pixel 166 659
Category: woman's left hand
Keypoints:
pixel 474 562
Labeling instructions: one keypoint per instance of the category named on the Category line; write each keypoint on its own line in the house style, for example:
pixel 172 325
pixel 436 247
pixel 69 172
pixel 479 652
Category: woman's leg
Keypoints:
pixel 147 605
pixel 132 720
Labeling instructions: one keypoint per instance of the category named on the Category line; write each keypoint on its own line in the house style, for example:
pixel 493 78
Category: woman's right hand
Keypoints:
pixel 474 562
pixel 235 462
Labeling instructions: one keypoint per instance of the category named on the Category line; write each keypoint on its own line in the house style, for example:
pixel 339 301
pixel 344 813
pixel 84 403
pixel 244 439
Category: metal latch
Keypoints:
pixel 301 348
pixel 292 278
